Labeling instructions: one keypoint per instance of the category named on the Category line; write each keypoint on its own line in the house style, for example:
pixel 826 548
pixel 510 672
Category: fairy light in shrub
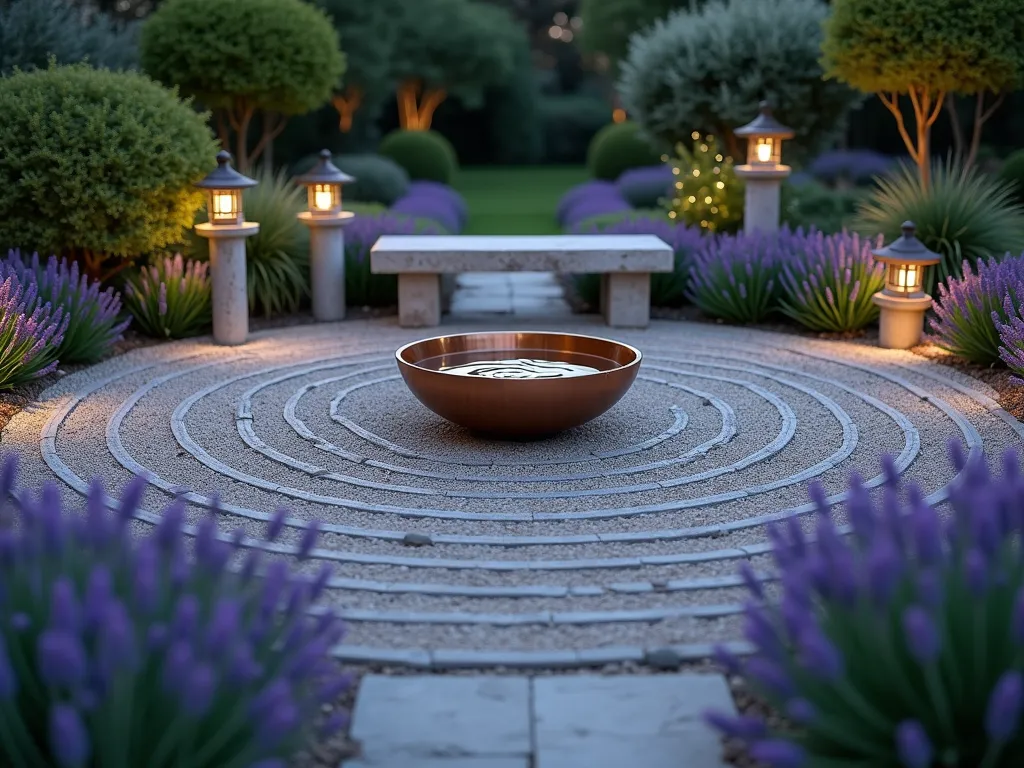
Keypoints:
pixel 703 198
pixel 903 301
pixel 764 170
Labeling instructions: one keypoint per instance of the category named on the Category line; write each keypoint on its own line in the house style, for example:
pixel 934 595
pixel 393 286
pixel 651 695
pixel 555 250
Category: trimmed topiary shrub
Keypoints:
pixel 253 62
pixel 110 177
pixel 94 322
pixel 619 147
pixel 172 299
pixel 896 637
pixel 425 155
pixel 963 214
pixel 828 280
pixel 707 71
pixel 149 649
pixel 970 309
pixel 647 187
pixel 1012 172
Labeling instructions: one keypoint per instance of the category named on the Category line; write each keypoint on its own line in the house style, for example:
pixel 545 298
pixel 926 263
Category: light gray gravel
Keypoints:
pixel 636 548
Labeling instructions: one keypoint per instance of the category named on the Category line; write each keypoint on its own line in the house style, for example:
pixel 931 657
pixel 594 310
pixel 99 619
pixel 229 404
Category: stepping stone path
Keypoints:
pixel 574 721
pixel 615 542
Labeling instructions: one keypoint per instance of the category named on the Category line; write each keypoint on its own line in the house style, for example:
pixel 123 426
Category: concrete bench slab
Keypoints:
pixel 625 263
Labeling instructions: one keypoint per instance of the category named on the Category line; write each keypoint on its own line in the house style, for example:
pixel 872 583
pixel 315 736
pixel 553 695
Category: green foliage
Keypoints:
pixel 570 123
pixel 637 215
pixel 617 147
pixel 887 46
pixel 812 204
pixel 110 174
pixel 964 215
pixel 459 46
pixel 171 299
pixel 276 55
pixel 609 24
pixel 707 71
pixel 377 179
pixel 425 155
pixel 365 209
pixel 1012 172
pixel 33 31
pixel 708 195
pixel 368 34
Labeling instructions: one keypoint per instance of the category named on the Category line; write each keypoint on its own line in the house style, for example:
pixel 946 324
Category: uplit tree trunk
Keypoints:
pixel 927 107
pixel 346 104
pixel 416 105
pixel 969 153
pixel 238 118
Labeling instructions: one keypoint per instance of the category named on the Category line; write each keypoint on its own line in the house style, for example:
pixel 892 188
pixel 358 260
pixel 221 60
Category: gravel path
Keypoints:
pixel 598 546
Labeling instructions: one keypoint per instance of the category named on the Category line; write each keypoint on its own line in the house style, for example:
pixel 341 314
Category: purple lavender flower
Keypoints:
pixel 778 753
pixel 62 659
pixel 593 207
pixel 362 288
pixel 1011 338
pixel 427 204
pixel 94 322
pixel 646 187
pixel 913 745
pixel 970 310
pixel 921 635
pixel 581 192
pixel 31 333
pixel 852 165
pixel 728 263
pixel 171 299
pixel 1002 716
pixel 69 739
pixel 737 726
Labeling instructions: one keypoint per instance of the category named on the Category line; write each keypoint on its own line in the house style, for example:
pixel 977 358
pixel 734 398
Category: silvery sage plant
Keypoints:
pixel 900 645
pixel 124 650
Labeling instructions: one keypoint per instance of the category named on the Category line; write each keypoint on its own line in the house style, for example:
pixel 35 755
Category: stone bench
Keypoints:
pixel 625 263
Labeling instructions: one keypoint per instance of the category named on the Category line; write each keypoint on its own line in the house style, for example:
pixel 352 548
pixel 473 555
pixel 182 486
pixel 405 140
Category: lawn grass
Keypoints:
pixel 515 201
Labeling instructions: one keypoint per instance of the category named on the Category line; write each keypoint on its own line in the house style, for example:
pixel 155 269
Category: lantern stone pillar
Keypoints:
pixel 228 275
pixel 903 302
pixel 327 263
pixel 763 172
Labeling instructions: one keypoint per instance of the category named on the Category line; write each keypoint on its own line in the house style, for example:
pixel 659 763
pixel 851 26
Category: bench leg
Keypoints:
pixel 419 300
pixel 626 299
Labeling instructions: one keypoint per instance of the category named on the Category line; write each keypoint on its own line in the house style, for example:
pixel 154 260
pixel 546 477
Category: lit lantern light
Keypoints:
pixel 764 139
pixel 903 301
pixel 323 183
pixel 224 193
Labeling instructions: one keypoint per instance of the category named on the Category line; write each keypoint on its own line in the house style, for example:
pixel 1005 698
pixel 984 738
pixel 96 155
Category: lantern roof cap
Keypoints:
pixel 324 172
pixel 764 125
pixel 224 176
pixel 907 249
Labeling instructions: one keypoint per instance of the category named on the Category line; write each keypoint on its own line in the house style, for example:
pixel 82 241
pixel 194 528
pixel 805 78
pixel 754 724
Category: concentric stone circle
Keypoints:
pixel 596 546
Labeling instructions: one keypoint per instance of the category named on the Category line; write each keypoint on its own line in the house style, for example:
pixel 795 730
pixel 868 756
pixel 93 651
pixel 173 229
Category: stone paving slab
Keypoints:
pixel 576 721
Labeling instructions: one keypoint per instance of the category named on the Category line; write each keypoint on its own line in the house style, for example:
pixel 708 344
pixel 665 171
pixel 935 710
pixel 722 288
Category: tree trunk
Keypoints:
pixel 416 105
pixel 346 104
pixel 240 118
pixel 927 108
pixel 959 143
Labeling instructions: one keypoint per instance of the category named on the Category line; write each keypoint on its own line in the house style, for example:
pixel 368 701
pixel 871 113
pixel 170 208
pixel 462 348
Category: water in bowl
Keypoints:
pixel 518 364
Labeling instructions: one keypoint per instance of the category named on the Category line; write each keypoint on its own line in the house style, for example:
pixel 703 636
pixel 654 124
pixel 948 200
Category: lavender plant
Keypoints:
pixel 94 322
pixel 588 190
pixel 736 277
pixel 363 288
pixel 901 644
pixel 1010 325
pixel 970 310
pixel 123 650
pixel 439 210
pixel 172 299
pixel 433 188
pixel 30 333
pixel 828 280
pixel 647 187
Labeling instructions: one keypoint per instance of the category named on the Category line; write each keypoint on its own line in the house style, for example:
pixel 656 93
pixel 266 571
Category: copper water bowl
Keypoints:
pixel 518 384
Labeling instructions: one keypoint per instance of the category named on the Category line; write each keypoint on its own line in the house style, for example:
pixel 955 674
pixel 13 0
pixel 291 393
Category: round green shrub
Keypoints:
pixel 377 179
pixel 425 155
pixel 618 147
pixel 1012 172
pixel 97 164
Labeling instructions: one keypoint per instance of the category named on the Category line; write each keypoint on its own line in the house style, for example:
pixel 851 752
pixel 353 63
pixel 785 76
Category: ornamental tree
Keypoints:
pixel 608 24
pixel 368 32
pixel 449 48
pixel 925 50
pixel 243 58
pixel 707 70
